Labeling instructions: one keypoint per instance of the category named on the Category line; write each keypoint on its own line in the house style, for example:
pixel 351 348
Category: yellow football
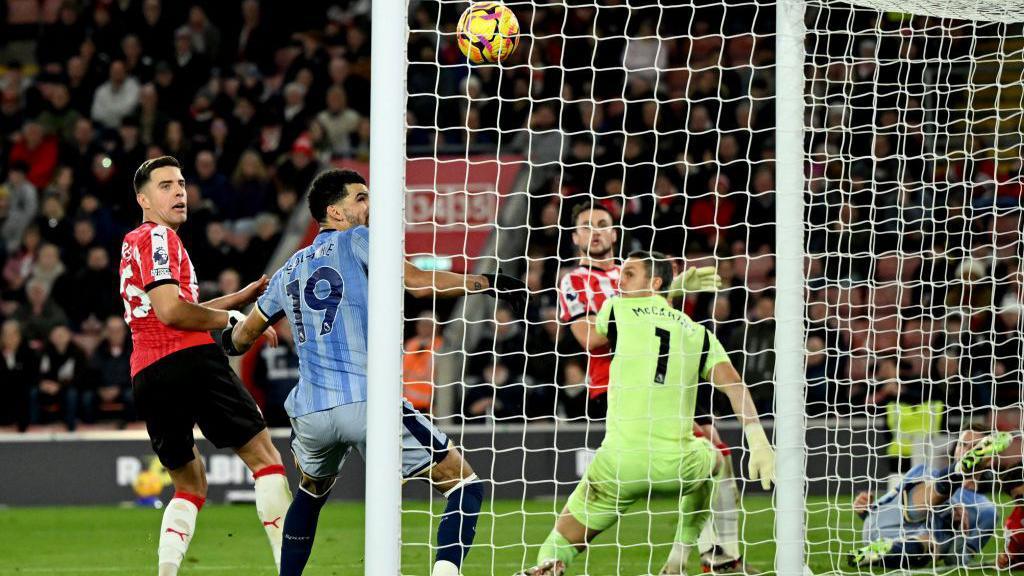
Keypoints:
pixel 488 32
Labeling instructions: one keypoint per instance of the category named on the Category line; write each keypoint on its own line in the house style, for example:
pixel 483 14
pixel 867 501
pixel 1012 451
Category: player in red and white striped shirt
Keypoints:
pixel 180 377
pixel 581 294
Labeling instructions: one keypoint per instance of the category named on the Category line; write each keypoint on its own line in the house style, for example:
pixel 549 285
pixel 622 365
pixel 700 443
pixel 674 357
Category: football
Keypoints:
pixel 488 32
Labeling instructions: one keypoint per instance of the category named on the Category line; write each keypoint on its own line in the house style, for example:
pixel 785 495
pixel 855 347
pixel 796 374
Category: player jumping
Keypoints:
pixel 180 376
pixel 931 515
pixel 580 295
pixel 322 289
pixel 658 356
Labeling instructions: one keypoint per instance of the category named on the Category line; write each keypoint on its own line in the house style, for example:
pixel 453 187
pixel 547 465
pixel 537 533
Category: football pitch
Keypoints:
pixel 230 542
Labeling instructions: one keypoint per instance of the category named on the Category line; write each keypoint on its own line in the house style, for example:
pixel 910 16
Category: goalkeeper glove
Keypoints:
pixel 761 465
pixel 509 290
pixel 703 279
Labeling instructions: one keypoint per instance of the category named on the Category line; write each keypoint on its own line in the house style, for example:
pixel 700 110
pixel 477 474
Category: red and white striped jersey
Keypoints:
pixel 582 292
pixel 152 255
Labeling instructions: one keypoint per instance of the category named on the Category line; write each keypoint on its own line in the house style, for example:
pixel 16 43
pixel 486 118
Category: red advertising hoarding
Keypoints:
pixel 451 204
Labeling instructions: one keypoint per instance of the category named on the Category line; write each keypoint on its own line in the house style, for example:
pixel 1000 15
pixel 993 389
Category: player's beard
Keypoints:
pixel 602 254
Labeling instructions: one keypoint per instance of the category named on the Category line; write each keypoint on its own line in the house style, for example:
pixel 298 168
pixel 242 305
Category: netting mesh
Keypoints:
pixel 662 114
pixel 913 247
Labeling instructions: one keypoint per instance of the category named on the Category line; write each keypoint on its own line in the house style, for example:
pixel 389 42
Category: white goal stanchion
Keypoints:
pixel 846 166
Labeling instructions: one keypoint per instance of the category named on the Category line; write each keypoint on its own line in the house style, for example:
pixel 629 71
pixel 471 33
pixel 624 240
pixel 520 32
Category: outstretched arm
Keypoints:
pixel 240 299
pixel 762 455
pixel 177 313
pixel 423 283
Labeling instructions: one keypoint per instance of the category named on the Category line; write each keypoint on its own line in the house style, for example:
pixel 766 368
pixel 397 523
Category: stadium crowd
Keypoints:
pixel 914 290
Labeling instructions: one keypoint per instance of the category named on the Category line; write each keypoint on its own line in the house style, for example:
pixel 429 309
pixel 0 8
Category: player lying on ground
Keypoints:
pixel 322 289
pixel 1002 453
pixel 658 356
pixel 581 293
pixel 180 376
pixel 931 516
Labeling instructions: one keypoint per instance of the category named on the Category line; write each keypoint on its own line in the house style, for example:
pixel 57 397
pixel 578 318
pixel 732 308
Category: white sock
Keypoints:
pixel 725 504
pixel 677 559
pixel 176 530
pixel 272 500
pixel 445 568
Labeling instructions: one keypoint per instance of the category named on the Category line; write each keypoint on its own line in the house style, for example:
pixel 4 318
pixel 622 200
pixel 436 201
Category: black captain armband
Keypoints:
pixel 228 343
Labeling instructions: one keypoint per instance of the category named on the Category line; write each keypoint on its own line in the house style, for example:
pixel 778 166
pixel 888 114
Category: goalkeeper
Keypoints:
pixel 658 356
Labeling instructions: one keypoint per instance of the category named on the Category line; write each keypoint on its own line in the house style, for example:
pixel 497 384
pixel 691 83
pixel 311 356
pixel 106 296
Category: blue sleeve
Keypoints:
pixel 361 245
pixel 271 303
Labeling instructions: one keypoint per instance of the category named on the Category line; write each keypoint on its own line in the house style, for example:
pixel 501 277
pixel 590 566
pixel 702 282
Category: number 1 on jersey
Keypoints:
pixel 664 336
pixel 328 304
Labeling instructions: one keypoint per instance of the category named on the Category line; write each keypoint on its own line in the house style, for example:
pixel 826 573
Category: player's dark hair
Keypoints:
pixel 328 188
pixel 146 170
pixel 657 265
pixel 585 206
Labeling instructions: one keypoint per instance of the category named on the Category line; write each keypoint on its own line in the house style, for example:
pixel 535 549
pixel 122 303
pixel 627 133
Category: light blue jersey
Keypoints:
pixel 322 289
pixel 891 517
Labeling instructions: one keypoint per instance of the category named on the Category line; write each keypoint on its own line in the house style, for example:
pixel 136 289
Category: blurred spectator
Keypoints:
pixel 59 117
pixel 63 373
pixel 18 376
pixel 276 373
pixel 253 189
pixel 22 203
pixel 52 221
pixel 47 267
pixel 298 171
pixel 19 265
pixel 37 150
pixel 90 291
pixel 111 367
pixel 418 363
pixel 754 352
pixel 218 253
pixel 254 39
pixel 205 37
pixel 39 315
pixel 115 98
pixel 60 40
pixel 214 186
pixel 340 122
pixel 154 31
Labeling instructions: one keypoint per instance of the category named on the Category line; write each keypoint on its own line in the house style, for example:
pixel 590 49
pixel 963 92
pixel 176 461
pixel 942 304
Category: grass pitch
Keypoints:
pixel 229 540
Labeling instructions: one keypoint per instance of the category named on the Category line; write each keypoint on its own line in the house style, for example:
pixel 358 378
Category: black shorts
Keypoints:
pixel 194 386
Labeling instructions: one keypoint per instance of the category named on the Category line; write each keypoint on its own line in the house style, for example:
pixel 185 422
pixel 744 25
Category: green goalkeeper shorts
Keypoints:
pixel 617 479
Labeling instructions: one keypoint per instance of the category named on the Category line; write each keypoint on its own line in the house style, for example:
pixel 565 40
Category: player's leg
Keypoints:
pixel 426 450
pixel 229 417
pixel 165 401
pixel 321 442
pixel 179 519
pixel 719 539
pixel 273 496
pixel 698 466
pixel 593 507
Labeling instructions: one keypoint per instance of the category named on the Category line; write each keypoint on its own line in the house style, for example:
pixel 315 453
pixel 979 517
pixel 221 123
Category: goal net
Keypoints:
pixel 662 116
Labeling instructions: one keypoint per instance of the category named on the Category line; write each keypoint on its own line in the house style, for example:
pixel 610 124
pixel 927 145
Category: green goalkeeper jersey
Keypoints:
pixel 652 387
